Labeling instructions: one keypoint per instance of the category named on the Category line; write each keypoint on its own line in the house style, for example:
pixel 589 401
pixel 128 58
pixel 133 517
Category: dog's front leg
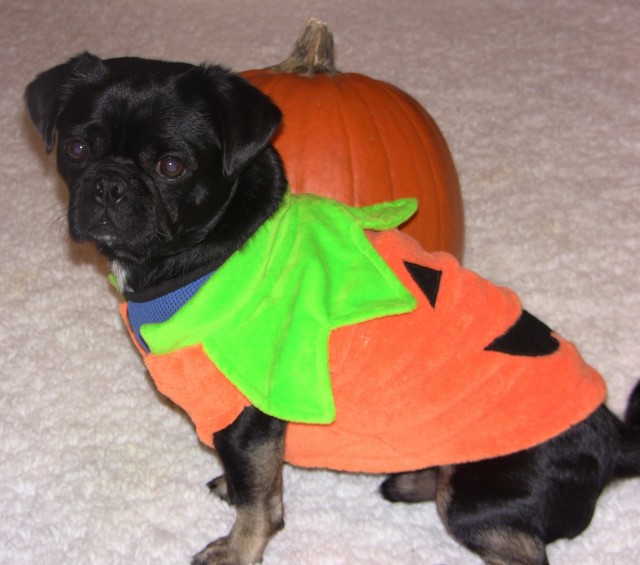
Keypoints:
pixel 251 450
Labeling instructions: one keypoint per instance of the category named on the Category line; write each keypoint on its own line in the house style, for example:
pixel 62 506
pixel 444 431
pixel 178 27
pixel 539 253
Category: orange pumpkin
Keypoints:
pixel 361 140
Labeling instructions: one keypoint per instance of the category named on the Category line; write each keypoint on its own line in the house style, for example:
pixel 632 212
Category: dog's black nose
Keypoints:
pixel 110 189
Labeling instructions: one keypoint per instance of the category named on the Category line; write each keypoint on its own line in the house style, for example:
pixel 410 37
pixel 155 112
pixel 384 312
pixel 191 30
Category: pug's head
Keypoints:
pixel 168 165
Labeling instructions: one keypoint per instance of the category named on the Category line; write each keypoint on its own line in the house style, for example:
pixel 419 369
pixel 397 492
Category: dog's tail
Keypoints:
pixel 628 463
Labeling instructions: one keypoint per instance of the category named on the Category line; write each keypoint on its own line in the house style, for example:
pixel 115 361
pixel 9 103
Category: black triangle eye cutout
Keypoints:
pixel 428 280
pixel 528 337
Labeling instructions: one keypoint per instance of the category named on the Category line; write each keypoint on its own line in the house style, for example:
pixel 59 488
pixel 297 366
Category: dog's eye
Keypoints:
pixel 77 149
pixel 170 167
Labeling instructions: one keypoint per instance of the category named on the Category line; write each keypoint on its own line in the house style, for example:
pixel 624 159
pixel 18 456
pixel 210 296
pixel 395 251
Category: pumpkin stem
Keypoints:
pixel 312 54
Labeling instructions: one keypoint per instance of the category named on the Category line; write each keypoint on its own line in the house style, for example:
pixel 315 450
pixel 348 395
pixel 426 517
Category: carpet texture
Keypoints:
pixel 539 103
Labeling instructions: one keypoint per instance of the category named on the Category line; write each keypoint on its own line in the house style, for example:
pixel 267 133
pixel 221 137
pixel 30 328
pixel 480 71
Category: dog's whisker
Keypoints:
pixel 59 224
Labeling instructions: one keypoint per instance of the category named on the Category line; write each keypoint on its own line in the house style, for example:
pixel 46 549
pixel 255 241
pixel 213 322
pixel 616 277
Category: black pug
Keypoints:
pixel 170 173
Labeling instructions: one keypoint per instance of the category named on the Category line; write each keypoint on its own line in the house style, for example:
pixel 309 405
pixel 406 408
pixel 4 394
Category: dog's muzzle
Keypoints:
pixel 106 207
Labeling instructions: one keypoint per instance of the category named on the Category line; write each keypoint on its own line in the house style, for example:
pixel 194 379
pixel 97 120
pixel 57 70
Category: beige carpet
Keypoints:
pixel 540 104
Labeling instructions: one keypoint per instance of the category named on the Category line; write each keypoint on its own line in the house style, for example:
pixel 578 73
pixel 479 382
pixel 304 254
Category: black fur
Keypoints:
pixel 544 493
pixel 132 112
pixel 170 171
pixel 549 491
pixel 236 446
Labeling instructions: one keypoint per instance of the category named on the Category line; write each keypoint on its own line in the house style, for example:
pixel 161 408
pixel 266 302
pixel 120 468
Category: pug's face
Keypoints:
pixel 152 152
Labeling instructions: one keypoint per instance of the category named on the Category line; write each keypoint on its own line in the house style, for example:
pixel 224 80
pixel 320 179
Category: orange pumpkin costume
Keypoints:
pixel 462 374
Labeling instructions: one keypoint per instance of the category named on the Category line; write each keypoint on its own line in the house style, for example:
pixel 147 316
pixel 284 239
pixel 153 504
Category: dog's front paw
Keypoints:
pixel 221 552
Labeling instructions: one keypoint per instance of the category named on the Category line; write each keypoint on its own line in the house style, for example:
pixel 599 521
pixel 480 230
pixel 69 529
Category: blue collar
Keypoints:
pixel 160 309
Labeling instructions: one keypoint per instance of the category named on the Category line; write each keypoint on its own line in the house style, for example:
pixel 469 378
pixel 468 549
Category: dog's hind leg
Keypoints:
pixel 508 508
pixel 505 547
pixel 496 546
pixel 490 533
pixel 413 486
pixel 251 450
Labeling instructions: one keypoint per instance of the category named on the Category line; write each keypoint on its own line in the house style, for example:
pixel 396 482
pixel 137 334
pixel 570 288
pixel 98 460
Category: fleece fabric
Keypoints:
pixel 538 102
pixel 266 314
pixel 309 324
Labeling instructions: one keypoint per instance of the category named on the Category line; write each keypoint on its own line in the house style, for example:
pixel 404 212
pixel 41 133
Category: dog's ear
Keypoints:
pixel 246 118
pixel 46 95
